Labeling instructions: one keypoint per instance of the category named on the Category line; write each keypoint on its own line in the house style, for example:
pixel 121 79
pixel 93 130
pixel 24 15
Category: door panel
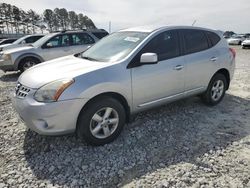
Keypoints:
pixel 159 81
pixel 200 68
pixel 153 84
pixel 59 46
pixel 201 60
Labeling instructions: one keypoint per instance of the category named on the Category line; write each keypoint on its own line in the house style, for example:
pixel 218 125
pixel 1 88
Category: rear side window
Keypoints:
pixel 100 35
pixel 214 38
pixel 195 41
pixel 165 45
pixel 81 39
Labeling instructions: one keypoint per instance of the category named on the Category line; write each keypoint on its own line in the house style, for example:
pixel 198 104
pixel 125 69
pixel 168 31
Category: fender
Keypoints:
pixel 17 61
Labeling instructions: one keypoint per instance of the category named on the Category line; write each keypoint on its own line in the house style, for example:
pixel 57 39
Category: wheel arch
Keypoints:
pixel 226 73
pixel 114 95
pixel 21 57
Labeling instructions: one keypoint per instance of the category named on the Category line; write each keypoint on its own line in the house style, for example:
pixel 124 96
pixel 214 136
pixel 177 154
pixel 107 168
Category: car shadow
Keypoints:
pixel 178 132
pixel 10 77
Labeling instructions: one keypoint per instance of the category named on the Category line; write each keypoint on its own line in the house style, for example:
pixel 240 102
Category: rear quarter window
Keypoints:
pixel 100 35
pixel 213 37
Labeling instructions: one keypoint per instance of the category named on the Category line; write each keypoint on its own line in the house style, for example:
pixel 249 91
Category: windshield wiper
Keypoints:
pixel 89 58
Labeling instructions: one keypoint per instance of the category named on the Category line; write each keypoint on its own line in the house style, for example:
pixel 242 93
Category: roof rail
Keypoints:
pixel 68 30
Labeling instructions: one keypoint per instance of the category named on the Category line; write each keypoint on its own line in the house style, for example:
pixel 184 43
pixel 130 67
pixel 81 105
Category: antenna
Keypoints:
pixel 193 22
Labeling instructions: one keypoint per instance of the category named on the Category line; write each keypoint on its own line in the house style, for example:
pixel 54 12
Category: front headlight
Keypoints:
pixel 52 91
pixel 6 56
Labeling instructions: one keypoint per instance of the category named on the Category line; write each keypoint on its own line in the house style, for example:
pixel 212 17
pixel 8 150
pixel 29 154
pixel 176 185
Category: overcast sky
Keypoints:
pixel 216 14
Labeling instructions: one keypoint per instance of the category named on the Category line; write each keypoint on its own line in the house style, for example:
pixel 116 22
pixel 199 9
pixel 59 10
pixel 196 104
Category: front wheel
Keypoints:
pixel 27 63
pixel 216 90
pixel 101 121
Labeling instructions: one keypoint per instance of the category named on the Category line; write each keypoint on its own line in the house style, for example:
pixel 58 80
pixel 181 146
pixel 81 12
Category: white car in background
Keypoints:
pixel 246 43
pixel 236 40
pixel 23 41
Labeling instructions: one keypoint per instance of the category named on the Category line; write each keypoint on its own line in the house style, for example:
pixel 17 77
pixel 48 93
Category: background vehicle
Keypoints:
pixel 7 41
pixel 246 43
pixel 23 41
pixel 49 47
pixel 236 40
pixel 124 73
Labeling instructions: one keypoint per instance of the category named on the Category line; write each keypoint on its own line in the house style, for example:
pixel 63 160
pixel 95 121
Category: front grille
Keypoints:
pixel 21 90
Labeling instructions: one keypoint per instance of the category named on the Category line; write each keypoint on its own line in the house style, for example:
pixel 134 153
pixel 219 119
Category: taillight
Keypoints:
pixel 233 52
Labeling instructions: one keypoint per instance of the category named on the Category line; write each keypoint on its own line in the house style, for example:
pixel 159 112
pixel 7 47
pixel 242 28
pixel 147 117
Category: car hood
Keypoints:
pixel 232 39
pixel 247 40
pixel 64 67
pixel 17 49
pixel 5 45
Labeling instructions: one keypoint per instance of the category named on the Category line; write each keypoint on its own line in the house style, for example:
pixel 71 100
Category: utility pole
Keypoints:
pixel 194 22
pixel 109 26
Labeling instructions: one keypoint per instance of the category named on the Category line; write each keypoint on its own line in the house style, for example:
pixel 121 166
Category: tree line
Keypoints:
pixel 16 20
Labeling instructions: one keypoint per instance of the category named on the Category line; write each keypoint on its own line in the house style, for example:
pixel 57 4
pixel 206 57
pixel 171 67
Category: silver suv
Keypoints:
pixel 51 46
pixel 95 93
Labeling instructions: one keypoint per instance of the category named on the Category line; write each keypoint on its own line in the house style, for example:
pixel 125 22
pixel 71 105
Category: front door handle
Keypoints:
pixel 213 59
pixel 178 67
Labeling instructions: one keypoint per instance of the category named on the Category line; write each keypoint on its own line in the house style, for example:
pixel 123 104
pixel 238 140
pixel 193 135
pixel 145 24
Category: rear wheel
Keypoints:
pixel 27 63
pixel 101 121
pixel 216 90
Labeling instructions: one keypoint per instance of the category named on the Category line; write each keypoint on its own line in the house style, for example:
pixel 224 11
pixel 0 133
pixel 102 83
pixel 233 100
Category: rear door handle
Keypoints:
pixel 178 67
pixel 213 59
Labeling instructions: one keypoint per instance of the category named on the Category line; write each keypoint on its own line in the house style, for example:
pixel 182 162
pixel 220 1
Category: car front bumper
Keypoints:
pixel 246 44
pixel 6 65
pixel 55 118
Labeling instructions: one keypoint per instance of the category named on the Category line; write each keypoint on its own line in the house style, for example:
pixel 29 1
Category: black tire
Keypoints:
pixel 24 61
pixel 86 115
pixel 239 43
pixel 207 96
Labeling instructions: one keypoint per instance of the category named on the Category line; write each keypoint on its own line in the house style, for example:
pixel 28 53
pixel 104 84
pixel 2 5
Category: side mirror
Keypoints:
pixel 49 45
pixel 23 42
pixel 149 58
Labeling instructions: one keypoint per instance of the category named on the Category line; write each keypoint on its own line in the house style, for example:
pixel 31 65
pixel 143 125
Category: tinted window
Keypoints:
pixel 195 41
pixel 58 41
pixel 7 41
pixel 100 35
pixel 81 38
pixel 214 38
pixel 32 39
pixel 165 45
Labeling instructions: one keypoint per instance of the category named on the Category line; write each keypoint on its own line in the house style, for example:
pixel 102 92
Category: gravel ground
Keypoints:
pixel 183 144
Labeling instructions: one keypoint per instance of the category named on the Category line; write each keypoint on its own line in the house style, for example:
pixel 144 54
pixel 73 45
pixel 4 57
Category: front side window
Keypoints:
pixel 165 45
pixel 32 39
pixel 195 41
pixel 58 41
pixel 115 46
pixel 81 39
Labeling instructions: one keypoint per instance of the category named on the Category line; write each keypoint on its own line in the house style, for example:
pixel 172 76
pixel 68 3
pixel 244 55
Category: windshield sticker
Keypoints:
pixel 132 39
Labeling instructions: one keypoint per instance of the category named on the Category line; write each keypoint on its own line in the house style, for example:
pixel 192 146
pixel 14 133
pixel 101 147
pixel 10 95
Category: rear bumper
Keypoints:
pixel 55 118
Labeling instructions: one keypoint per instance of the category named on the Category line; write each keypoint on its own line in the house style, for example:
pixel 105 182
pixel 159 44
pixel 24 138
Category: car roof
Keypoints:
pixel 152 28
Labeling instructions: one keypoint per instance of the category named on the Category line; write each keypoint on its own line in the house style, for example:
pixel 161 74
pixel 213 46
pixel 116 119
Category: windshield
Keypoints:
pixel 115 46
pixel 18 41
pixel 42 40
